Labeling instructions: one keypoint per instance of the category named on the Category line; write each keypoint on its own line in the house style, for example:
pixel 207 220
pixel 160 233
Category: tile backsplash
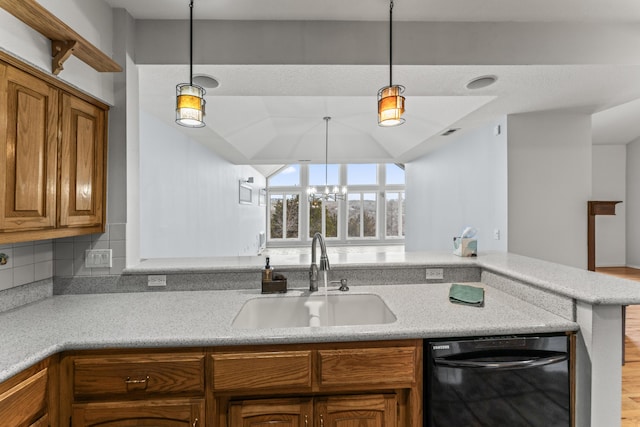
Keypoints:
pixel 26 263
pixel 69 253
pixel 30 262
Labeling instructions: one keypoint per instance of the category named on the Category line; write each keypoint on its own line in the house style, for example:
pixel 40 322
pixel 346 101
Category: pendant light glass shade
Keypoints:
pixel 189 97
pixel 390 105
pixel 390 99
pixel 190 105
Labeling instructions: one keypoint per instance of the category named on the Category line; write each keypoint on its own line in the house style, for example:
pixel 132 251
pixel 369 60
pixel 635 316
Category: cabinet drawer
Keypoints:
pixel 24 402
pixel 268 370
pixel 138 375
pixel 368 366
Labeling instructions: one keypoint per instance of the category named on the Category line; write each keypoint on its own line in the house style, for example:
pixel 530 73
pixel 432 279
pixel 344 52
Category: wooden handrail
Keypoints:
pixel 64 40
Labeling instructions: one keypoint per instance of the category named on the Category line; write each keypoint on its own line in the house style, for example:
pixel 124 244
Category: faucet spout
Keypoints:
pixel 324 261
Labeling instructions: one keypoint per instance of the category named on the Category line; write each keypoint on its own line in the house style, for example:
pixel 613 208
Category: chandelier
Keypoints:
pixel 334 194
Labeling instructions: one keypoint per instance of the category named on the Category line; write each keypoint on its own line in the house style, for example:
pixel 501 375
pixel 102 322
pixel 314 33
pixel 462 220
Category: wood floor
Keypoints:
pixel 631 368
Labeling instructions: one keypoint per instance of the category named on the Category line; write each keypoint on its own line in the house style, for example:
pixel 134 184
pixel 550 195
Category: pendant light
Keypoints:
pixel 390 99
pixel 334 194
pixel 189 97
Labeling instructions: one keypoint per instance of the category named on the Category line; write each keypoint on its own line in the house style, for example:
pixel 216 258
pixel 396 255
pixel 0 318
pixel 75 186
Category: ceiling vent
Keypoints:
pixel 450 131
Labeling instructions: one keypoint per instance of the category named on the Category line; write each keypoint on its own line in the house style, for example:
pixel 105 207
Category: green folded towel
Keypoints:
pixel 465 294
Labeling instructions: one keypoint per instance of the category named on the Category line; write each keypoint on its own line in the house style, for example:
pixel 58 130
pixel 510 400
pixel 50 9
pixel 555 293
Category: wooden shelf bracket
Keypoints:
pixel 61 50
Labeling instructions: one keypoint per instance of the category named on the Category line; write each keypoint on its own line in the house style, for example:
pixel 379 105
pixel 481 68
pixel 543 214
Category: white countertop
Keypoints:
pixel 203 318
pixel 583 285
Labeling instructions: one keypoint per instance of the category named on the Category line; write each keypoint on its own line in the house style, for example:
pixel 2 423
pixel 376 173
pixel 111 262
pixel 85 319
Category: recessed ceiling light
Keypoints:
pixel 480 82
pixel 205 81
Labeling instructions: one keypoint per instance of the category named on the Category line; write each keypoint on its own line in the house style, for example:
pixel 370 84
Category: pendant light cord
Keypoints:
pixel 191 43
pixel 390 43
pixel 326 152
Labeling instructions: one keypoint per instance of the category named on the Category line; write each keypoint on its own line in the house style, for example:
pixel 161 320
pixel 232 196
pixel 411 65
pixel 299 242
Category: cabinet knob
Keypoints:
pixel 195 422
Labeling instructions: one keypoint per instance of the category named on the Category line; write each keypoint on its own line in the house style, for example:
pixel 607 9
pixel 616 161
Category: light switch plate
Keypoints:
pixel 97 258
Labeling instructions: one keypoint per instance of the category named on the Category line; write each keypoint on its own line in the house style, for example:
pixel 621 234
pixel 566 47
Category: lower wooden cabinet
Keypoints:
pixel 364 384
pixel 162 413
pixel 24 399
pixel 376 410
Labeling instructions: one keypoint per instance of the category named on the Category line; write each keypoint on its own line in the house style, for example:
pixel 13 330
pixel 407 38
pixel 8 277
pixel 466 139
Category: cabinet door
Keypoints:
pixel 271 412
pixel 139 413
pixel 25 402
pixel 28 151
pixel 82 168
pixel 363 411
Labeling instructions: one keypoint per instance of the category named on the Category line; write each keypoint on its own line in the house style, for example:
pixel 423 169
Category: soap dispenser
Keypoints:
pixel 272 283
pixel 267 273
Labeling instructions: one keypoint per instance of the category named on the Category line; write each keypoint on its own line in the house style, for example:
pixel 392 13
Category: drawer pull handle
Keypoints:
pixel 195 423
pixel 321 421
pixel 306 421
pixel 144 381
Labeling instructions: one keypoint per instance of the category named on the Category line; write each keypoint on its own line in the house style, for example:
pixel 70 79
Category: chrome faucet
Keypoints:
pixel 324 262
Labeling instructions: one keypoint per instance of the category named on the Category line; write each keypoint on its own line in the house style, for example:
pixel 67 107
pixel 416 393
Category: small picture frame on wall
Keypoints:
pixel 245 194
pixel 262 197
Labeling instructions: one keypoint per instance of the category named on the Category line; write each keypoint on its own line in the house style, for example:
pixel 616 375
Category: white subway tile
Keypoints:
pixel 43 270
pixel 23 275
pixel 6 279
pixel 22 255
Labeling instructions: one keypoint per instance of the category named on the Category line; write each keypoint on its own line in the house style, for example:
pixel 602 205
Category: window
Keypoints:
pixel 284 216
pixel 287 177
pixel 363 214
pixel 394 215
pixel 323 218
pixel 362 175
pixel 373 212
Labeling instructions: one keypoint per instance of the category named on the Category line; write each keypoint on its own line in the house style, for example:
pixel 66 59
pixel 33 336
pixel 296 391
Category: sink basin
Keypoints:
pixel 313 310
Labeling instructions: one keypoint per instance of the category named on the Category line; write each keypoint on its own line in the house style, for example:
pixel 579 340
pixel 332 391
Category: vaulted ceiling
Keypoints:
pixel 575 56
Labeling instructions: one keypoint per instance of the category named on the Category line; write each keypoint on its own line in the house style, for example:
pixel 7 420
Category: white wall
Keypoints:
pixel 92 19
pixel 463 183
pixel 189 198
pixel 609 183
pixel 549 185
pixel 632 204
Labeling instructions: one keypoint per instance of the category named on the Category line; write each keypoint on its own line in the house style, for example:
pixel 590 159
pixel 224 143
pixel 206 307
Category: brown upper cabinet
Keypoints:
pixel 52 158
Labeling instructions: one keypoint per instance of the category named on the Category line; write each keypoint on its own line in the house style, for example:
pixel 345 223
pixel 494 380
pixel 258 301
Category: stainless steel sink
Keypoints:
pixel 313 310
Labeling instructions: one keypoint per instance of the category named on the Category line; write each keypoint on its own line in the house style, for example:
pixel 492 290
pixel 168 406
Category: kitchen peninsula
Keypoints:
pixel 523 296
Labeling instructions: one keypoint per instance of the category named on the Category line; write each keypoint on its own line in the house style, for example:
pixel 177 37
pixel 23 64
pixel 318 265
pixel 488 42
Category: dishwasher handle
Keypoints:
pixel 498 365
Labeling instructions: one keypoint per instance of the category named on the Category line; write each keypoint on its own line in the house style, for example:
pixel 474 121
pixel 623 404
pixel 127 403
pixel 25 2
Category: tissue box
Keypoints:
pixel 465 247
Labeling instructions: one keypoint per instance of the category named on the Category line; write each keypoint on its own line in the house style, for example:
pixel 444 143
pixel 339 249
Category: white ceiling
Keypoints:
pixel 409 10
pixel 250 122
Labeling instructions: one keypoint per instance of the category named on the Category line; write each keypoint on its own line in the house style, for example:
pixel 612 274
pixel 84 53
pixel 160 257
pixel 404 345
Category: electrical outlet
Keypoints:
pixel 97 258
pixel 157 280
pixel 496 234
pixel 435 274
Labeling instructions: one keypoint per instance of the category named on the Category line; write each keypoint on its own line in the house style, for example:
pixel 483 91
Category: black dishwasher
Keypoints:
pixel 515 381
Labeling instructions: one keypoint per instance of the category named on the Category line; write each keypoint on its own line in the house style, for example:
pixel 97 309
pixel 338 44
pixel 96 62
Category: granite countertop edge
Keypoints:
pixel 580 284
